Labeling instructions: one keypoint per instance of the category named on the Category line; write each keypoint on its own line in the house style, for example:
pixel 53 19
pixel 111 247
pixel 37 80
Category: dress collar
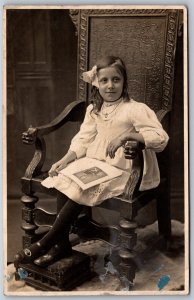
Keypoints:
pixel 107 104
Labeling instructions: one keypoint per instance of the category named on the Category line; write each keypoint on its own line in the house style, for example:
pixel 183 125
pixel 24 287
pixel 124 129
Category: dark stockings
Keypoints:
pixel 67 214
pixel 68 211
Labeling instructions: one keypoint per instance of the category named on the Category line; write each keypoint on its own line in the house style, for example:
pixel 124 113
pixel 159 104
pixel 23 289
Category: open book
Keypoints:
pixel 88 172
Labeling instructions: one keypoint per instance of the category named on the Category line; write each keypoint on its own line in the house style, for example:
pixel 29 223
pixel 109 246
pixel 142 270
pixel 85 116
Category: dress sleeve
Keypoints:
pixel 86 134
pixel 145 122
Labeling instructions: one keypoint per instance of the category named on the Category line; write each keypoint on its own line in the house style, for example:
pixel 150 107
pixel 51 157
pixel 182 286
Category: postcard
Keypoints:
pixel 107 75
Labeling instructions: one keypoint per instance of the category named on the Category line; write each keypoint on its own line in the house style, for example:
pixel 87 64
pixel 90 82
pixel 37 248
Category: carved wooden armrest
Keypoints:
pixel 133 150
pixel 70 113
pixel 35 135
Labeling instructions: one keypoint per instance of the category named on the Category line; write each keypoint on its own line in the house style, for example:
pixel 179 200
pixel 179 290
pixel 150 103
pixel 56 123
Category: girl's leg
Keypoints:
pixel 65 217
pixel 61 200
pixel 63 247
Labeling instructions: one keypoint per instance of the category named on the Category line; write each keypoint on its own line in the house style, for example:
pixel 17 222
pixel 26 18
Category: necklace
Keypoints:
pixel 107 104
pixel 106 114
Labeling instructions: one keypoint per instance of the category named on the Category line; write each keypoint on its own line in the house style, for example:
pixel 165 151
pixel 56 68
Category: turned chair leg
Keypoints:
pixel 28 224
pixel 128 240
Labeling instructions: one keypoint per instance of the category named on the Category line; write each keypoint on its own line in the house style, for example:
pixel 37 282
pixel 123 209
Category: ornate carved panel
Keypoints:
pixel 144 39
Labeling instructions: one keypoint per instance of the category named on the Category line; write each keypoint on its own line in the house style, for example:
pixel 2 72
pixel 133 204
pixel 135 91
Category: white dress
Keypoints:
pixel 92 140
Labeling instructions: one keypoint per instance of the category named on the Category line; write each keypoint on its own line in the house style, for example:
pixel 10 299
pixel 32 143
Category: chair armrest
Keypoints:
pixel 133 150
pixel 72 112
pixel 35 135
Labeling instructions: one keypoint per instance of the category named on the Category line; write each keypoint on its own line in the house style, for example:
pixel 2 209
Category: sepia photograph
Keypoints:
pixel 95 150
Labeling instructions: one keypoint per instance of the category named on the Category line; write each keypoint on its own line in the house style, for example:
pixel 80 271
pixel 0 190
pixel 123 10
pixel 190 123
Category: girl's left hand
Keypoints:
pixel 113 146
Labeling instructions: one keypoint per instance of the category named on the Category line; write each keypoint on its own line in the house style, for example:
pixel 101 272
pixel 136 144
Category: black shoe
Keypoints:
pixel 28 254
pixel 55 253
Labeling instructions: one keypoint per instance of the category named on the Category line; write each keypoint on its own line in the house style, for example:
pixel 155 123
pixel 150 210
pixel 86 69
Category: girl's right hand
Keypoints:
pixel 59 165
pixel 62 163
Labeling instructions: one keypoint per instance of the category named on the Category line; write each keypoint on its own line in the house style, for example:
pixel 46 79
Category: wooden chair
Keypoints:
pixel 146 40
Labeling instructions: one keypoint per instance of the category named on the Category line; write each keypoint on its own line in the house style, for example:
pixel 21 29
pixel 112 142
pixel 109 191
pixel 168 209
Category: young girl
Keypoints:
pixel 111 120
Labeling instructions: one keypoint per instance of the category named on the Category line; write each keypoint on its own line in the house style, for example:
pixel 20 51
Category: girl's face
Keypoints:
pixel 110 84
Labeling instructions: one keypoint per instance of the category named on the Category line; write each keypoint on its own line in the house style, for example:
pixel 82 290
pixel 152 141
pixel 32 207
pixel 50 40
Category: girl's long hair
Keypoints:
pixel 109 61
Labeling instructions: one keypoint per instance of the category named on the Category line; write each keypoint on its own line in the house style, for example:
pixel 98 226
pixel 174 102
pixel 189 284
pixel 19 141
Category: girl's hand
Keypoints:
pixel 113 146
pixel 62 163
pixel 59 165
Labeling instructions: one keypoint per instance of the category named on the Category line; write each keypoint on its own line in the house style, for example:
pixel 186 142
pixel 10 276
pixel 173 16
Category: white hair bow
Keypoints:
pixel 91 76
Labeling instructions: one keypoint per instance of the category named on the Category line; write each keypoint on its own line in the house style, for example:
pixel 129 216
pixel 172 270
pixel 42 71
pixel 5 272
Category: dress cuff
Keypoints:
pixel 79 151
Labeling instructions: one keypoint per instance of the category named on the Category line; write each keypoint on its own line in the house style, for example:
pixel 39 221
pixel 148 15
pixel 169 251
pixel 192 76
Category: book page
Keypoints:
pixel 97 173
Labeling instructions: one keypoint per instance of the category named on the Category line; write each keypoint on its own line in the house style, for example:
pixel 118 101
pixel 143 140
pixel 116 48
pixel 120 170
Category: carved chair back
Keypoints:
pixel 144 38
